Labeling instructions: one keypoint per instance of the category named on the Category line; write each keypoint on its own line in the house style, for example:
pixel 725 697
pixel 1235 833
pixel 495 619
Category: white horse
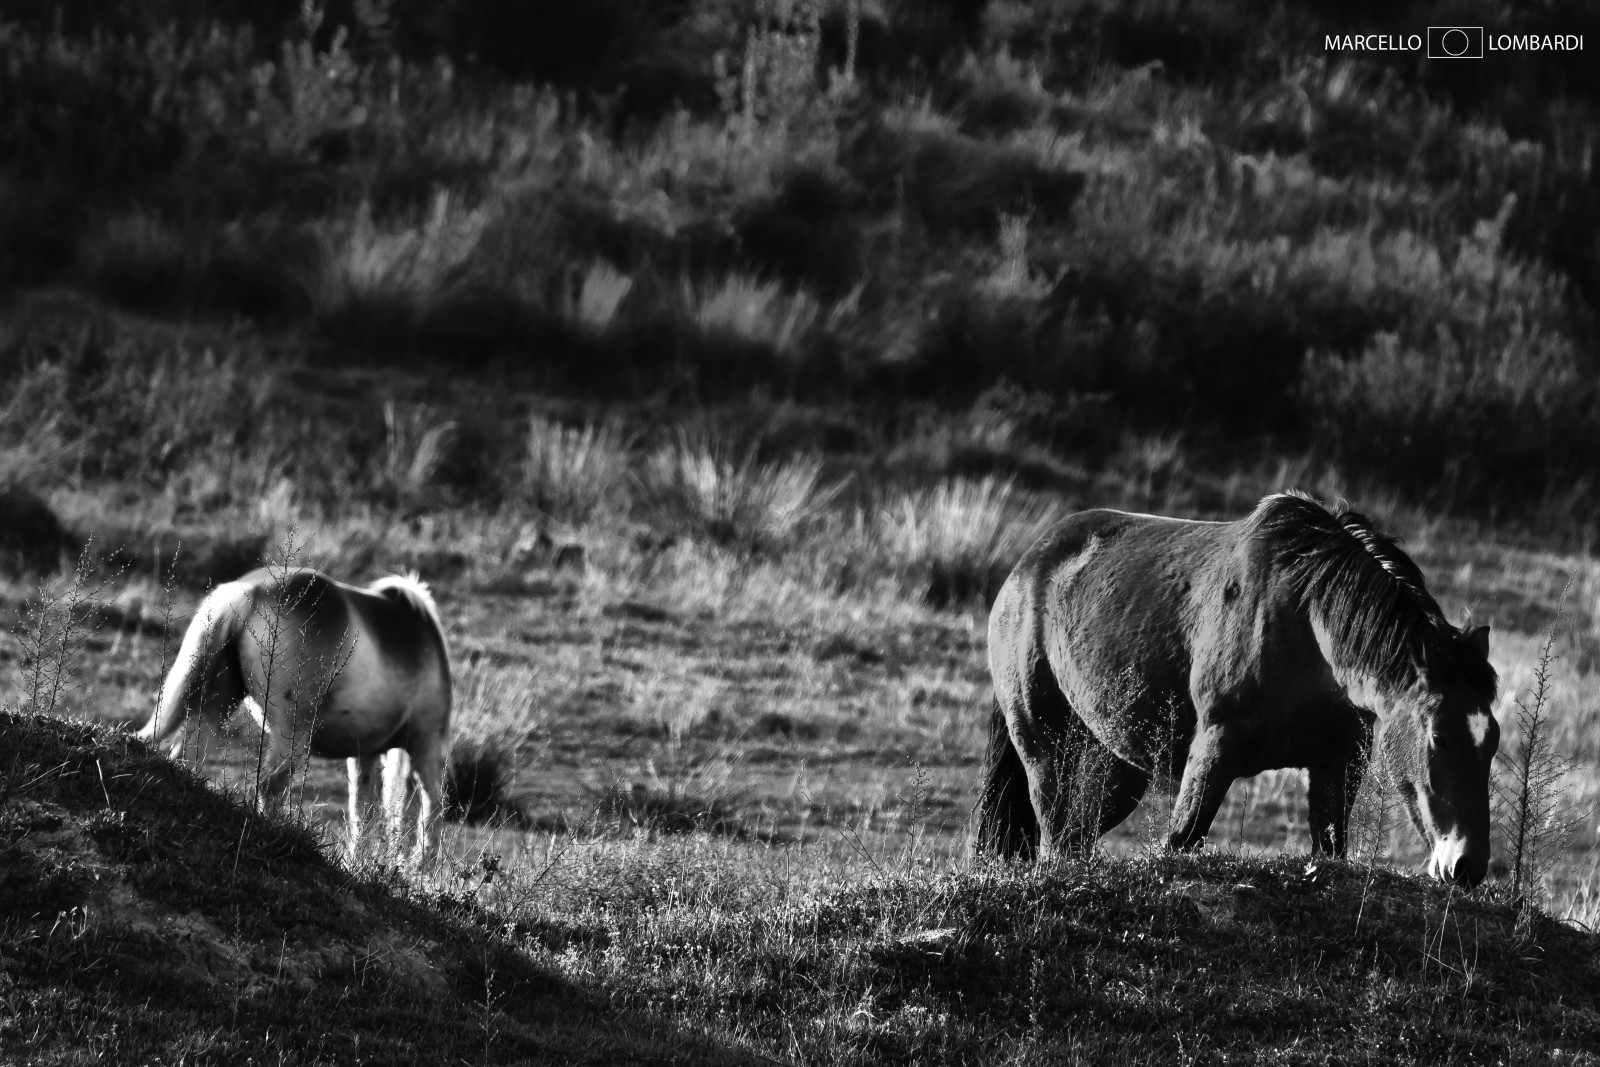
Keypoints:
pixel 327 669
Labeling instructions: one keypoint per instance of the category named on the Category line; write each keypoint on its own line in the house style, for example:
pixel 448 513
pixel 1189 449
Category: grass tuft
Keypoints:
pixel 478 781
pixel 704 485
pixel 570 474
pixel 370 273
pixel 958 541
pixel 673 795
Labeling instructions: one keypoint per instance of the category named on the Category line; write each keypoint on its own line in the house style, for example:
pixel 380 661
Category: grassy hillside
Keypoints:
pixel 714 361
pixel 155 920
pixel 1191 219
pixel 152 919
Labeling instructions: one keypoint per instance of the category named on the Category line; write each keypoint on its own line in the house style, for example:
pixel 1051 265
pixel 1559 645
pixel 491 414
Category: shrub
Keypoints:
pixel 382 279
pixel 569 473
pixel 32 539
pixel 477 783
pixel 956 185
pixel 960 540
pixel 138 260
pixel 1458 415
pixel 809 233
pixel 498 710
pixel 704 485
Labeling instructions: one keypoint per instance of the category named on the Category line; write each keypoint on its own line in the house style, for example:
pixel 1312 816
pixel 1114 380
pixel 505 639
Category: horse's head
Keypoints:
pixel 1439 750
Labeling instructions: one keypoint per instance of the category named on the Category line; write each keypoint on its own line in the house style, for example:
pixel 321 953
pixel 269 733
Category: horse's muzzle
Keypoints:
pixel 1457 865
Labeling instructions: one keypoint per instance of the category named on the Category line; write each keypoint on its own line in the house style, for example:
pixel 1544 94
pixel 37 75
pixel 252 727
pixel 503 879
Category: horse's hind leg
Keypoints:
pixel 427 771
pixel 218 694
pixel 1084 790
pixel 1079 788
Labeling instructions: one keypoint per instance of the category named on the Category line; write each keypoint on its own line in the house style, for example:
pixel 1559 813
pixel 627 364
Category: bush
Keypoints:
pixel 570 474
pixel 955 185
pixel 809 233
pixel 959 541
pixel 702 484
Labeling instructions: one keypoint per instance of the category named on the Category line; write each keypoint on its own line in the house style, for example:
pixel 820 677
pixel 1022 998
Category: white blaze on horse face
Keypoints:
pixel 1478 725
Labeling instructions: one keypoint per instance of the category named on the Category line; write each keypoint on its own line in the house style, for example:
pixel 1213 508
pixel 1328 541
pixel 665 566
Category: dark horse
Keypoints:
pixel 1126 645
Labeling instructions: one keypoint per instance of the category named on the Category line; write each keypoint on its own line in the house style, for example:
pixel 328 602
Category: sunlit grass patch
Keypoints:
pixel 600 296
pixel 37 448
pixel 706 484
pixel 570 473
pixel 416 446
pixel 403 269
pixel 959 540
pixel 755 312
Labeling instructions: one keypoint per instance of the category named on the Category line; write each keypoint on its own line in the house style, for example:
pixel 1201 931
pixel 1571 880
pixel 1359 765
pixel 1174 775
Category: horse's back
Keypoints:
pixel 325 606
pixel 1104 607
pixel 375 660
pixel 1111 570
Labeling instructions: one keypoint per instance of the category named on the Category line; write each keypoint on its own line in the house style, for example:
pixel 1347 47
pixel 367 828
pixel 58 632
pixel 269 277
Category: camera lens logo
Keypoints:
pixel 1455 42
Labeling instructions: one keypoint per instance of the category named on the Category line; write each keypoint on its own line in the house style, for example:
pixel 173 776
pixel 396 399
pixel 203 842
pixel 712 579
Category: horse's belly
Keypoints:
pixel 363 719
pixel 342 733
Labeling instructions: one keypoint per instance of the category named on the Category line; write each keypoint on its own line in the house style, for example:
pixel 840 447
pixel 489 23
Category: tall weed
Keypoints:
pixel 1535 817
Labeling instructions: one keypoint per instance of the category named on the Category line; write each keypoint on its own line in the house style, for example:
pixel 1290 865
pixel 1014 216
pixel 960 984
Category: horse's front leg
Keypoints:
pixel 1331 793
pixel 1207 774
pixel 362 789
pixel 286 745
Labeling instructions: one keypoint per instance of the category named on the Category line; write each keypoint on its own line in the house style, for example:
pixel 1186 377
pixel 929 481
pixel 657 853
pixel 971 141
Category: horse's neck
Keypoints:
pixel 1366 690
pixel 1363 687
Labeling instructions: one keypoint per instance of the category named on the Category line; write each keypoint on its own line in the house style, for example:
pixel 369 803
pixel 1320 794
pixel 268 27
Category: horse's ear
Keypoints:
pixel 1477 639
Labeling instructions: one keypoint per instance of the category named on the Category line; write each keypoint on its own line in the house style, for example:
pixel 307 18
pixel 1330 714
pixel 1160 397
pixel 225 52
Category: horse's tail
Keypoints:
pixel 411 588
pixel 1005 823
pixel 216 625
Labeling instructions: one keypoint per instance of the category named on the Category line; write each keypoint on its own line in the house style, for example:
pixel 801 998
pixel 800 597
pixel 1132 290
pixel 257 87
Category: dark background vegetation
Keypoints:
pixel 180 160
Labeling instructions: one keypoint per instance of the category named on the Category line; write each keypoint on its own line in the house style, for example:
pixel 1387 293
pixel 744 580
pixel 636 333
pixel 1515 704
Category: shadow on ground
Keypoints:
pixel 151 919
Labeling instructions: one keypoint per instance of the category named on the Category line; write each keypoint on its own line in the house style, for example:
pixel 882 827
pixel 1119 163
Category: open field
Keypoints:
pixel 713 362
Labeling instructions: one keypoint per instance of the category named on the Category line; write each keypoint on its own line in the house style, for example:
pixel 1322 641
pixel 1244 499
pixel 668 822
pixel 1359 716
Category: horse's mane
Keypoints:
pixel 414 589
pixel 1367 593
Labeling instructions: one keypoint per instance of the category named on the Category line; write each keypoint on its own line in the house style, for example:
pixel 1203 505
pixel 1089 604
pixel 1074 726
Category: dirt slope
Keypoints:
pixel 146 918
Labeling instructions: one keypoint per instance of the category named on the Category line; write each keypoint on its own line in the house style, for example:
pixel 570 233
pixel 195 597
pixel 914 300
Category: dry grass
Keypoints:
pixel 754 312
pixel 497 722
pixel 768 687
pixel 572 473
pixel 960 539
pixel 405 269
pixel 707 485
